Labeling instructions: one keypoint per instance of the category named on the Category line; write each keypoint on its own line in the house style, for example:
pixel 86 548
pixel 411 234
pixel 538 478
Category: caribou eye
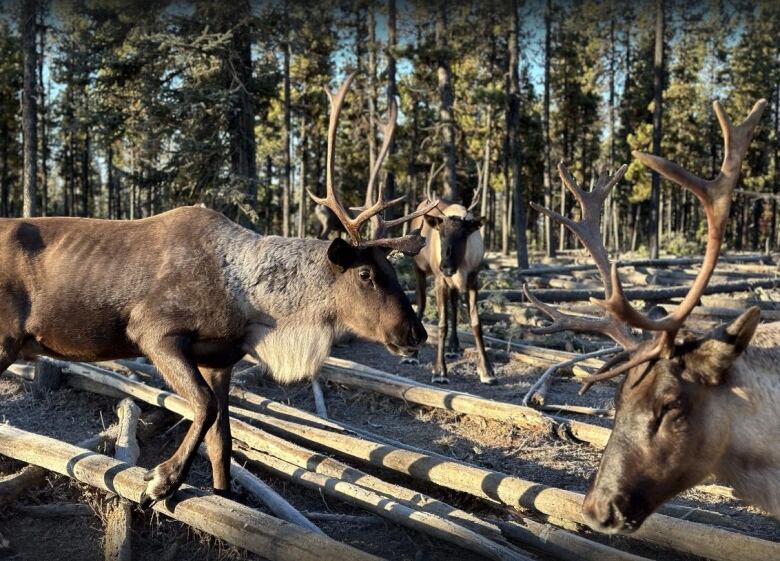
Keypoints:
pixel 365 275
pixel 675 406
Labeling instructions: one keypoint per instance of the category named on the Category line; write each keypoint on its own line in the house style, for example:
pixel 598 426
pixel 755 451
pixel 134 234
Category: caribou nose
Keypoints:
pixel 603 513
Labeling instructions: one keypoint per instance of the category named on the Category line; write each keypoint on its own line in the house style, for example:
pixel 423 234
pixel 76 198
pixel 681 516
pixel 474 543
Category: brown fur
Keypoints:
pixel 453 256
pixel 194 292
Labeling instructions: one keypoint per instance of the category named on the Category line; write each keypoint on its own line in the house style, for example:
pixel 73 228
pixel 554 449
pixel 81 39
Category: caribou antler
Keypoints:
pixel 411 243
pixel 715 196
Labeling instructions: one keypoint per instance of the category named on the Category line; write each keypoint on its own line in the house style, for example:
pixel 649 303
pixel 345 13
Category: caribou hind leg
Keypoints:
pixel 169 354
pixel 218 439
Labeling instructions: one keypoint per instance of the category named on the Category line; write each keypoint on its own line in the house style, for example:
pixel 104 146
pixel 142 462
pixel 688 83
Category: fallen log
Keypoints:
pixel 661 262
pixel 562 544
pixel 270 498
pixel 403 515
pixel 656 294
pixel 225 519
pixel 350 519
pixel 118 545
pixel 537 393
pixel 342 372
pixel 682 535
pixel 58 510
pixel 111 382
pixel 15 485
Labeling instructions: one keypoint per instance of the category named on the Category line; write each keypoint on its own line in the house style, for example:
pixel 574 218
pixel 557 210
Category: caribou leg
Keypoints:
pixel 218 440
pixel 453 345
pixel 169 355
pixel 440 366
pixel 421 278
pixel 484 368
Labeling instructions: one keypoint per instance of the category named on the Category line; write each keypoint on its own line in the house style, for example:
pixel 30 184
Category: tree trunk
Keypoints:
pixel 446 119
pixel 304 147
pixel 549 230
pixel 392 92
pixel 241 117
pixel 658 85
pixel 42 109
pixel 85 179
pixel 371 94
pixel 29 107
pixel 513 128
pixel 110 180
pixel 286 134
pixel 5 184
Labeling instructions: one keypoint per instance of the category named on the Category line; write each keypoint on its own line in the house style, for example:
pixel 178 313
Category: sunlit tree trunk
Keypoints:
pixel 446 119
pixel 29 107
pixel 658 85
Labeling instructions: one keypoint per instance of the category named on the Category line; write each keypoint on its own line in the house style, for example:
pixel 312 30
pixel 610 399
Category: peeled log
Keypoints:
pixel 118 544
pixel 228 520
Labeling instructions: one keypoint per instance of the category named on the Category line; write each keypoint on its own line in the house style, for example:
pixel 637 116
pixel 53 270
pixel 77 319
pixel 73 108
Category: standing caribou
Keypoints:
pixel 692 405
pixel 453 256
pixel 195 292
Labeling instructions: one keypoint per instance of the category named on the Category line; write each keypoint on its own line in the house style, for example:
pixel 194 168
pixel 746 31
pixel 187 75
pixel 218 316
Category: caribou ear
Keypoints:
pixel 475 224
pixel 711 360
pixel 433 221
pixel 342 254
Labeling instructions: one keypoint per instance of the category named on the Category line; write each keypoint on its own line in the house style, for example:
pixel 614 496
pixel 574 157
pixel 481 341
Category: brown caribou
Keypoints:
pixel 690 405
pixel 195 292
pixel 453 255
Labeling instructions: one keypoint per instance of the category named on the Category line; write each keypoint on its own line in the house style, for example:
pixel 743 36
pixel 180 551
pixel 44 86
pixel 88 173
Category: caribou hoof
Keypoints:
pixel 160 486
pixel 439 379
pixel 488 380
pixel 410 360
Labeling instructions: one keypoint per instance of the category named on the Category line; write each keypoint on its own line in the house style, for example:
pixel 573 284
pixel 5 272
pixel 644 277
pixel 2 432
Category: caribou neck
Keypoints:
pixel 750 403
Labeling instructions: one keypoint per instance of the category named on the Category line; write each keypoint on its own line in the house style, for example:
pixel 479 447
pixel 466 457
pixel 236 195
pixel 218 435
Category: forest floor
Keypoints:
pixel 73 416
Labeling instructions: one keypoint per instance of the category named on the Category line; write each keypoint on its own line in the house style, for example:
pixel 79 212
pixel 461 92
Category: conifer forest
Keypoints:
pixel 412 280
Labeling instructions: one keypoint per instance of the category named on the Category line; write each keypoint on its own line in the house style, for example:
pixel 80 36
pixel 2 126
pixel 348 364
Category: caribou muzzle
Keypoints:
pixel 411 338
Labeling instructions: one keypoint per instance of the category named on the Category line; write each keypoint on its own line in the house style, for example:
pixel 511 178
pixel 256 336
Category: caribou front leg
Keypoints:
pixel 453 345
pixel 180 373
pixel 484 368
pixel 440 366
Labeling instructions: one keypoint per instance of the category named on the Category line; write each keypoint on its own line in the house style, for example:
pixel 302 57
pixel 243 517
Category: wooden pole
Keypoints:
pixel 683 535
pixel 118 544
pixel 270 498
pixel 227 520
pixel 381 505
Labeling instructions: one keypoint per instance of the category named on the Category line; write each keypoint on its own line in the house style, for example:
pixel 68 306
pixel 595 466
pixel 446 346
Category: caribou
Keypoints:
pixel 453 255
pixel 691 405
pixel 195 292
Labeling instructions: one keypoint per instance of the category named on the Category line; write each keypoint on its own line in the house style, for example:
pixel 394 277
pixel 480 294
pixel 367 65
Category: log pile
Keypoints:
pixel 295 445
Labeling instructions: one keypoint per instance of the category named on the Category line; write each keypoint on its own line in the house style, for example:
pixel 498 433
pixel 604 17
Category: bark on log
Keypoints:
pixel 118 544
pixel 227 520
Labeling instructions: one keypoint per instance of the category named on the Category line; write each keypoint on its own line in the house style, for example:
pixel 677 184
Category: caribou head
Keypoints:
pixel 670 409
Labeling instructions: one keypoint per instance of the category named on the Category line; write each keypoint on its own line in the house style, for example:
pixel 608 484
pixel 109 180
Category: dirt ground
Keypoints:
pixel 74 416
